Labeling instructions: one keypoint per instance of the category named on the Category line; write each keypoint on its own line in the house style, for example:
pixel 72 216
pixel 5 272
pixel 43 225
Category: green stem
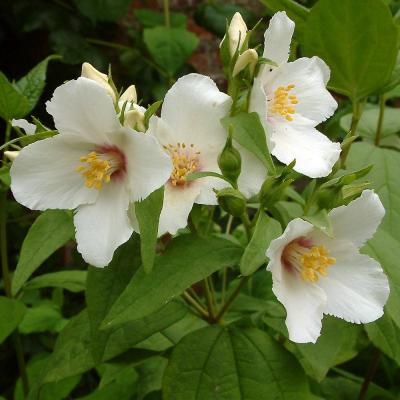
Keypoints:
pixel 373 366
pixel 195 304
pixel 231 299
pixel 167 17
pixel 247 224
pixel 382 107
pixel 7 287
pixel 353 128
pixel 209 301
pixel 225 270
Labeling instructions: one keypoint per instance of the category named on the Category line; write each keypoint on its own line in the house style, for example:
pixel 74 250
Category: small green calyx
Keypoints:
pixel 232 201
pixel 230 162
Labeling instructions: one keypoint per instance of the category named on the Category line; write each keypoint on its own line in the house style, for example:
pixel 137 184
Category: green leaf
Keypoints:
pixel 71 355
pixel 294 10
pixel 151 374
pixel 33 83
pixel 266 230
pixel 321 221
pixel 74 281
pixel 187 260
pixel 151 110
pixel 5 175
pixel 122 388
pixel 170 47
pixel 394 79
pixel 13 104
pixel 103 10
pixel 231 363
pixel 49 232
pixel 104 285
pixel 337 344
pixel 148 215
pixel 340 388
pixel 369 122
pixel 50 391
pixel 131 334
pixel 248 132
pixel 11 313
pixel 41 318
pixel 150 18
pixel 383 177
pixel 357 39
pixel 385 333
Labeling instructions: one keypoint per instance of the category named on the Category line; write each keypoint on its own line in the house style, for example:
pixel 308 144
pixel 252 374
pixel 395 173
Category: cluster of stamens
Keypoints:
pixel 184 159
pixel 97 169
pixel 311 262
pixel 284 102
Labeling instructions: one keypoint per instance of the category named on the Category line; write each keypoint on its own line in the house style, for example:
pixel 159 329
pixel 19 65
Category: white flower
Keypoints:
pixel 129 95
pixel 314 274
pixel 291 100
pixel 247 58
pixel 11 155
pixel 190 131
pixel 25 125
pixel 94 165
pixel 237 31
pixel 90 72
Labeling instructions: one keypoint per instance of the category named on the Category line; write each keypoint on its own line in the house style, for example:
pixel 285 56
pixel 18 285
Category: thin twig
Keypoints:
pixel 372 368
pixel 195 305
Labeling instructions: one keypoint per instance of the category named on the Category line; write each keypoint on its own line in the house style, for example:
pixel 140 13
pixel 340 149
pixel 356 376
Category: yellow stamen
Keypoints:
pixel 283 102
pixel 185 160
pixel 315 262
pixel 97 170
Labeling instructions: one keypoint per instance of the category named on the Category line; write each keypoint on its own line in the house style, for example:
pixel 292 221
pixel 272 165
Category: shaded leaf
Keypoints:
pixel 187 260
pixel 51 230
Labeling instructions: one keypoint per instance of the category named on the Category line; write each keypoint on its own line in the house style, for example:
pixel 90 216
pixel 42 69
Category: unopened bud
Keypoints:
pixel 247 58
pixel 129 95
pixel 11 155
pixel 230 161
pixel 88 71
pixel 135 119
pixel 232 201
pixel 237 33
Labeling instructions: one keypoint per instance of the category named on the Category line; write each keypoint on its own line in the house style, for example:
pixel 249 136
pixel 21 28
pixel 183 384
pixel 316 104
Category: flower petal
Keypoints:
pixel 103 226
pixel 309 77
pixel 193 108
pixel 304 302
pixel 253 173
pixel 82 107
pixel 148 166
pixel 278 37
pixel 314 153
pixel 178 202
pixel 25 125
pixel 43 175
pixel 359 220
pixel 356 286
pixel 295 229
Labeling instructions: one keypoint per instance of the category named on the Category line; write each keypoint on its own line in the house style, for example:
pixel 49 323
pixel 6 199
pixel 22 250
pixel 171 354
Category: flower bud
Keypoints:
pixel 230 162
pixel 237 33
pixel 129 95
pixel 135 119
pixel 11 155
pixel 247 58
pixel 232 201
pixel 88 71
